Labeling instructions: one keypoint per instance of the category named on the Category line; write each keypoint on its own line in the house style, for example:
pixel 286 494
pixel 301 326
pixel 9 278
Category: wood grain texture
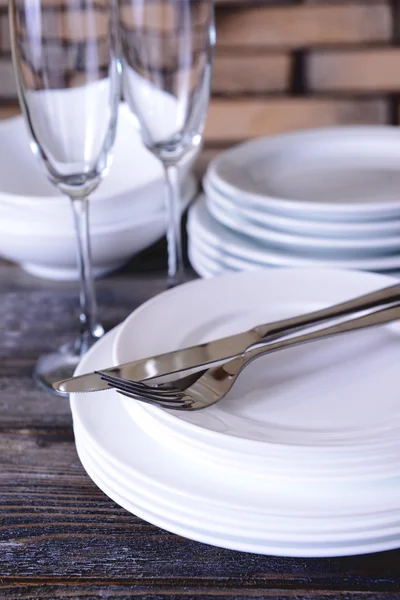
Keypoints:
pixel 5 42
pixel 234 120
pixel 160 592
pixel 357 71
pixel 9 110
pixel 75 25
pixel 304 25
pixel 7 80
pixel 254 73
pixel 288 51
pixel 61 537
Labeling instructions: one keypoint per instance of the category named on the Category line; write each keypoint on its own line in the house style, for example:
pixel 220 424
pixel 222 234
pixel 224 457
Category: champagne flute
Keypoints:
pixel 68 77
pixel 167 50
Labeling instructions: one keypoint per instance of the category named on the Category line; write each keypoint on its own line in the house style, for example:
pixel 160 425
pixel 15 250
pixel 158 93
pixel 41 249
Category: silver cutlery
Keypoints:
pixel 214 384
pixel 171 365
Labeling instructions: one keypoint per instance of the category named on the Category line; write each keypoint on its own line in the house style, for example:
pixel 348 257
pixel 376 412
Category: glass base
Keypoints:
pixel 58 365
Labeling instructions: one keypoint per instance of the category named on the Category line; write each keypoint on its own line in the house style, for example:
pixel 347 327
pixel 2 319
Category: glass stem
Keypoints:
pixel 174 236
pixel 90 329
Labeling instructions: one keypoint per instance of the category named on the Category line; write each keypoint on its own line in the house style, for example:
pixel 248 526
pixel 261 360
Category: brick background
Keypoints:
pixel 304 25
pixel 353 70
pixel 285 64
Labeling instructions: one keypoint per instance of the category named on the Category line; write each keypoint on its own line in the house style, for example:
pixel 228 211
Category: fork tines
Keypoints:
pixel 141 391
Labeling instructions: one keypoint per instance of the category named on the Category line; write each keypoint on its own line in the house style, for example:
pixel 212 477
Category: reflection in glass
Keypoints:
pixel 167 50
pixel 68 76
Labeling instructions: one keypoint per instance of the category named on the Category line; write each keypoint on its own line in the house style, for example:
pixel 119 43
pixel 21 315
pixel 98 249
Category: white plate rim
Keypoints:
pixel 296 206
pixel 307 226
pixel 372 545
pixel 237 222
pixel 334 533
pixel 245 445
pixel 341 469
pixel 226 241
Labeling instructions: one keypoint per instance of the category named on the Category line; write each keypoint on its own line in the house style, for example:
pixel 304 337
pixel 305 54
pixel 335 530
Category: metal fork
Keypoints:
pixel 210 386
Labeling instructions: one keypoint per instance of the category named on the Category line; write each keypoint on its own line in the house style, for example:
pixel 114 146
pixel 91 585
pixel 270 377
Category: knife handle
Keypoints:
pixel 378 317
pixel 272 331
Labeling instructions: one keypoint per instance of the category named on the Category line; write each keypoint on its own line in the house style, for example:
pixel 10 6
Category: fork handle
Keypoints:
pixel 375 299
pixel 378 317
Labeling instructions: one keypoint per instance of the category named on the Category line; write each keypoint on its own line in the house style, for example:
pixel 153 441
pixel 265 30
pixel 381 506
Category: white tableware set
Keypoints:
pixel 127 212
pixel 323 198
pixel 302 458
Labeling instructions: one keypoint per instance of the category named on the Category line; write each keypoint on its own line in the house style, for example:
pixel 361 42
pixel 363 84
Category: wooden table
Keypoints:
pixel 61 537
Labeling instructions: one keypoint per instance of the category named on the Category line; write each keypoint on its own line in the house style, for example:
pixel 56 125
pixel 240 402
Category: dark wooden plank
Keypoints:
pixel 39 321
pixel 160 592
pixel 37 316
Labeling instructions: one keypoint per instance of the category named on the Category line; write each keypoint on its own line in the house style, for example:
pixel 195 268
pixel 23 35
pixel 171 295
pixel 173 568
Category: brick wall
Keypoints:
pixel 287 64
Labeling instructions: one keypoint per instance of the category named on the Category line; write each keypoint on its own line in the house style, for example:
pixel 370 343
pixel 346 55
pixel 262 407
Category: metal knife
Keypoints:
pixel 172 365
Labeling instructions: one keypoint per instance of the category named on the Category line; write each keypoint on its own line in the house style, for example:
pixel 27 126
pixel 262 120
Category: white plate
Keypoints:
pixel 287 528
pixel 276 403
pixel 368 465
pixel 100 424
pixel 331 229
pixel 339 173
pixel 204 266
pixel 201 224
pixel 199 251
pixel 239 220
pixel 302 465
pixel 384 539
pixel 209 263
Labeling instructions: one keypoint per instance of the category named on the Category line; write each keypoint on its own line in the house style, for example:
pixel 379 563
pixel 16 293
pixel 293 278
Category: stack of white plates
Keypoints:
pixel 328 197
pixel 302 458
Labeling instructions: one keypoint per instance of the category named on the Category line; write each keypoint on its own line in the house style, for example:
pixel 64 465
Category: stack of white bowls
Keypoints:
pixel 323 198
pixel 126 211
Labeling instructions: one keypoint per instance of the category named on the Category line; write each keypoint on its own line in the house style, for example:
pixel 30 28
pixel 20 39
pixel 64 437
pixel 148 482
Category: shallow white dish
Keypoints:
pixel 300 521
pixel 306 227
pixel 158 485
pixel 206 265
pixel 286 528
pixel 204 268
pixel 200 251
pixel 241 221
pixel 338 173
pixel 276 404
pixel 51 254
pixel 380 538
pixel 208 261
pixel 224 241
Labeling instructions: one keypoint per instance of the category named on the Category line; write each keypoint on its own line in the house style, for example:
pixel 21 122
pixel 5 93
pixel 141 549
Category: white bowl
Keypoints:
pixel 134 185
pixel 51 253
pixel 126 211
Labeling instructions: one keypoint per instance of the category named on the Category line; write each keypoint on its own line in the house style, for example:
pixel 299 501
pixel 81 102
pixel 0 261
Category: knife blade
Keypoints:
pixel 160 368
pixel 167 366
